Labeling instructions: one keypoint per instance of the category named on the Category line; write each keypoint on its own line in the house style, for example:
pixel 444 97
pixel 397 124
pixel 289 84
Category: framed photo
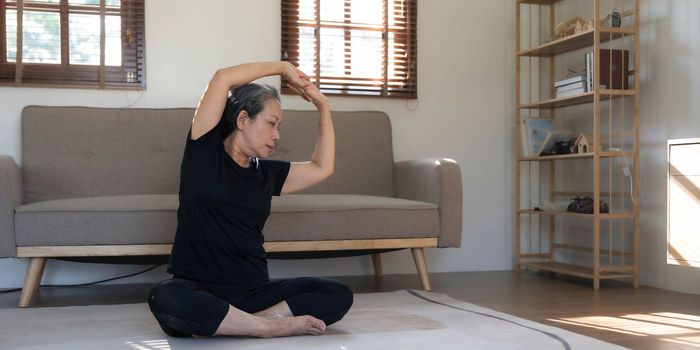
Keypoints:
pixel 533 134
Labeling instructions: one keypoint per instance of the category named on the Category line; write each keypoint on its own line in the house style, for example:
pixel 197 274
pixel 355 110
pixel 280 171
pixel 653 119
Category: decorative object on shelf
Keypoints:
pixel 553 206
pixel 584 205
pixel 571 26
pixel 614 19
pixel 581 144
pixel 563 147
pixel 557 142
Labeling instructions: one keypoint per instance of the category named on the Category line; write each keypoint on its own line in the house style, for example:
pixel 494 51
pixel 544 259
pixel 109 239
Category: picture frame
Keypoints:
pixel 533 134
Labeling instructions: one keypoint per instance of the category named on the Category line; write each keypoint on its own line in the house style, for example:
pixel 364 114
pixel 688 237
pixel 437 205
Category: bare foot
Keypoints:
pixel 268 315
pixel 299 325
pixel 278 310
pixel 268 324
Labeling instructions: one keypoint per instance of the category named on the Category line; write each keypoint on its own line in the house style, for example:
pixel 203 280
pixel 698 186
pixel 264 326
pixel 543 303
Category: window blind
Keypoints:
pixel 72 43
pixel 353 47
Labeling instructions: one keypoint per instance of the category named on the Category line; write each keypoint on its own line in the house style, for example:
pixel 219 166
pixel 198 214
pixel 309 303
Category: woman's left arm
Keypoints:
pixel 306 174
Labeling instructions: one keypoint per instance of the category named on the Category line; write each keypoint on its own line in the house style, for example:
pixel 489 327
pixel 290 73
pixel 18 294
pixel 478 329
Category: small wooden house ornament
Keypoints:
pixel 571 26
pixel 581 144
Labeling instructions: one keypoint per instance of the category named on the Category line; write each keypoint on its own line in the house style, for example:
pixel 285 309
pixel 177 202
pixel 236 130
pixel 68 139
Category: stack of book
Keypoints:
pixel 614 74
pixel 571 86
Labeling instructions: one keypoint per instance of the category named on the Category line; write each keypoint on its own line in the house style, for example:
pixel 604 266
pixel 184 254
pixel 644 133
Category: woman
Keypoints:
pixel 220 282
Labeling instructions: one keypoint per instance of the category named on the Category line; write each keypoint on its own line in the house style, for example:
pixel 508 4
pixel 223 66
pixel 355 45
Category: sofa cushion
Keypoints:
pixel 151 219
pixel 110 220
pixel 316 217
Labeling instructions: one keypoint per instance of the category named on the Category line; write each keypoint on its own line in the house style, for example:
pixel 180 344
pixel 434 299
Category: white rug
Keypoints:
pixel 399 320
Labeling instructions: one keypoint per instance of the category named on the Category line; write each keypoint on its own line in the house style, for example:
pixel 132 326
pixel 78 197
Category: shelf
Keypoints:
pixel 576 99
pixel 567 213
pixel 575 42
pixel 611 154
pixel 603 252
pixel 604 154
pixel 574 270
pixel 557 157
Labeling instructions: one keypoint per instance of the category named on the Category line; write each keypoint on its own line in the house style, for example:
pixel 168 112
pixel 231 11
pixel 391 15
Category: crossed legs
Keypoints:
pixel 277 308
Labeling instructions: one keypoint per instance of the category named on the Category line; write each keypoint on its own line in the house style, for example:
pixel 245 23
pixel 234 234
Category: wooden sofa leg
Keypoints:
pixel 422 267
pixel 377 262
pixel 32 278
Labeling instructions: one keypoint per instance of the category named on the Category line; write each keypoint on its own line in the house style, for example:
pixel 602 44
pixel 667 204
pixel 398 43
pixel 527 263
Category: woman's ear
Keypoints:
pixel 240 119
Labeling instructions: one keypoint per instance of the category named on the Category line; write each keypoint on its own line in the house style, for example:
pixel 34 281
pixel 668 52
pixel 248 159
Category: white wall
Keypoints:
pixel 670 109
pixel 464 112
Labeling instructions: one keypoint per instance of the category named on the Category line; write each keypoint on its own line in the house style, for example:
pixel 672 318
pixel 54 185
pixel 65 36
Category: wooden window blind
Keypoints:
pixel 72 43
pixel 353 47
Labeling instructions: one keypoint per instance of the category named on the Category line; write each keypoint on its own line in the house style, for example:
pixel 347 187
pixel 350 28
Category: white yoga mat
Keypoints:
pixel 399 320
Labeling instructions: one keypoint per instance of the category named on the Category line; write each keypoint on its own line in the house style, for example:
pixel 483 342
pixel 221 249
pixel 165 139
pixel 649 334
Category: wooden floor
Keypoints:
pixel 644 318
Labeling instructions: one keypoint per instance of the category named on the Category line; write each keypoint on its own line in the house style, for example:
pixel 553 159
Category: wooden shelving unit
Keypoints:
pixel 612 248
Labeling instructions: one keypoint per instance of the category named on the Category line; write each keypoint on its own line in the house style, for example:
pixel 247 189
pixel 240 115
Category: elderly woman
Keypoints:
pixel 220 283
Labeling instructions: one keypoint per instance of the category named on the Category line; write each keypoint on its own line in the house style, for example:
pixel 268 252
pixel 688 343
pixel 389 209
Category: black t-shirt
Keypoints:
pixel 223 208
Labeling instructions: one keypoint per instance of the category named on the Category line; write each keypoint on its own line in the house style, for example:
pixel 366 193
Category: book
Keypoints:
pixel 614 69
pixel 554 136
pixel 577 91
pixel 589 71
pixel 574 86
pixel 535 130
pixel 568 81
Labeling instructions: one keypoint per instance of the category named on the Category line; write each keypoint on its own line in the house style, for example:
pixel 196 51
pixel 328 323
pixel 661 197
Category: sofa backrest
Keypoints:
pixel 364 158
pixel 70 152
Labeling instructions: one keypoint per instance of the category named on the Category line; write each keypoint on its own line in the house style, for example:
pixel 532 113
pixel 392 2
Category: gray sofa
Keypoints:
pixel 103 182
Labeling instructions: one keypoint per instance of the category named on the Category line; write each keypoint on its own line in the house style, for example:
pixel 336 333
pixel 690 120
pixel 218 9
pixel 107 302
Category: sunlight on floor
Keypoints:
pixel 665 326
pixel 161 344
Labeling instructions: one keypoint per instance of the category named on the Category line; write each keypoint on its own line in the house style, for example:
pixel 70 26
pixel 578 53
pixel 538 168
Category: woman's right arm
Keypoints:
pixel 213 101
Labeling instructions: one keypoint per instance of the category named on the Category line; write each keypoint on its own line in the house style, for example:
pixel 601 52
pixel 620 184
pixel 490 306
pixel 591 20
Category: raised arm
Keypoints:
pixel 306 174
pixel 213 101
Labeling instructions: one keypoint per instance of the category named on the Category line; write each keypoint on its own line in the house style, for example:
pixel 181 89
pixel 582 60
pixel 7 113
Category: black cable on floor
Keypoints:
pixel 85 284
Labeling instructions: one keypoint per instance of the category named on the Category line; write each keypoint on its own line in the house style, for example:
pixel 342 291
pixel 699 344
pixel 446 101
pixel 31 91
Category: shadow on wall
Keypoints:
pixel 669 76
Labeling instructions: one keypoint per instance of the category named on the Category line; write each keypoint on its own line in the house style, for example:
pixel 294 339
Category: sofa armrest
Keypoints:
pixel 10 198
pixel 438 181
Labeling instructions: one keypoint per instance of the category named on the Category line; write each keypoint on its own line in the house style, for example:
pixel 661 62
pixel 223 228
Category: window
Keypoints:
pixel 72 43
pixel 353 47
pixel 683 241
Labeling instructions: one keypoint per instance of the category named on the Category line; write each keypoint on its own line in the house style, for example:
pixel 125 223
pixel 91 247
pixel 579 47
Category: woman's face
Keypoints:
pixel 262 133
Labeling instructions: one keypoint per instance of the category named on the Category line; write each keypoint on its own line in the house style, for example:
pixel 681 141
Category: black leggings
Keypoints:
pixel 184 308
